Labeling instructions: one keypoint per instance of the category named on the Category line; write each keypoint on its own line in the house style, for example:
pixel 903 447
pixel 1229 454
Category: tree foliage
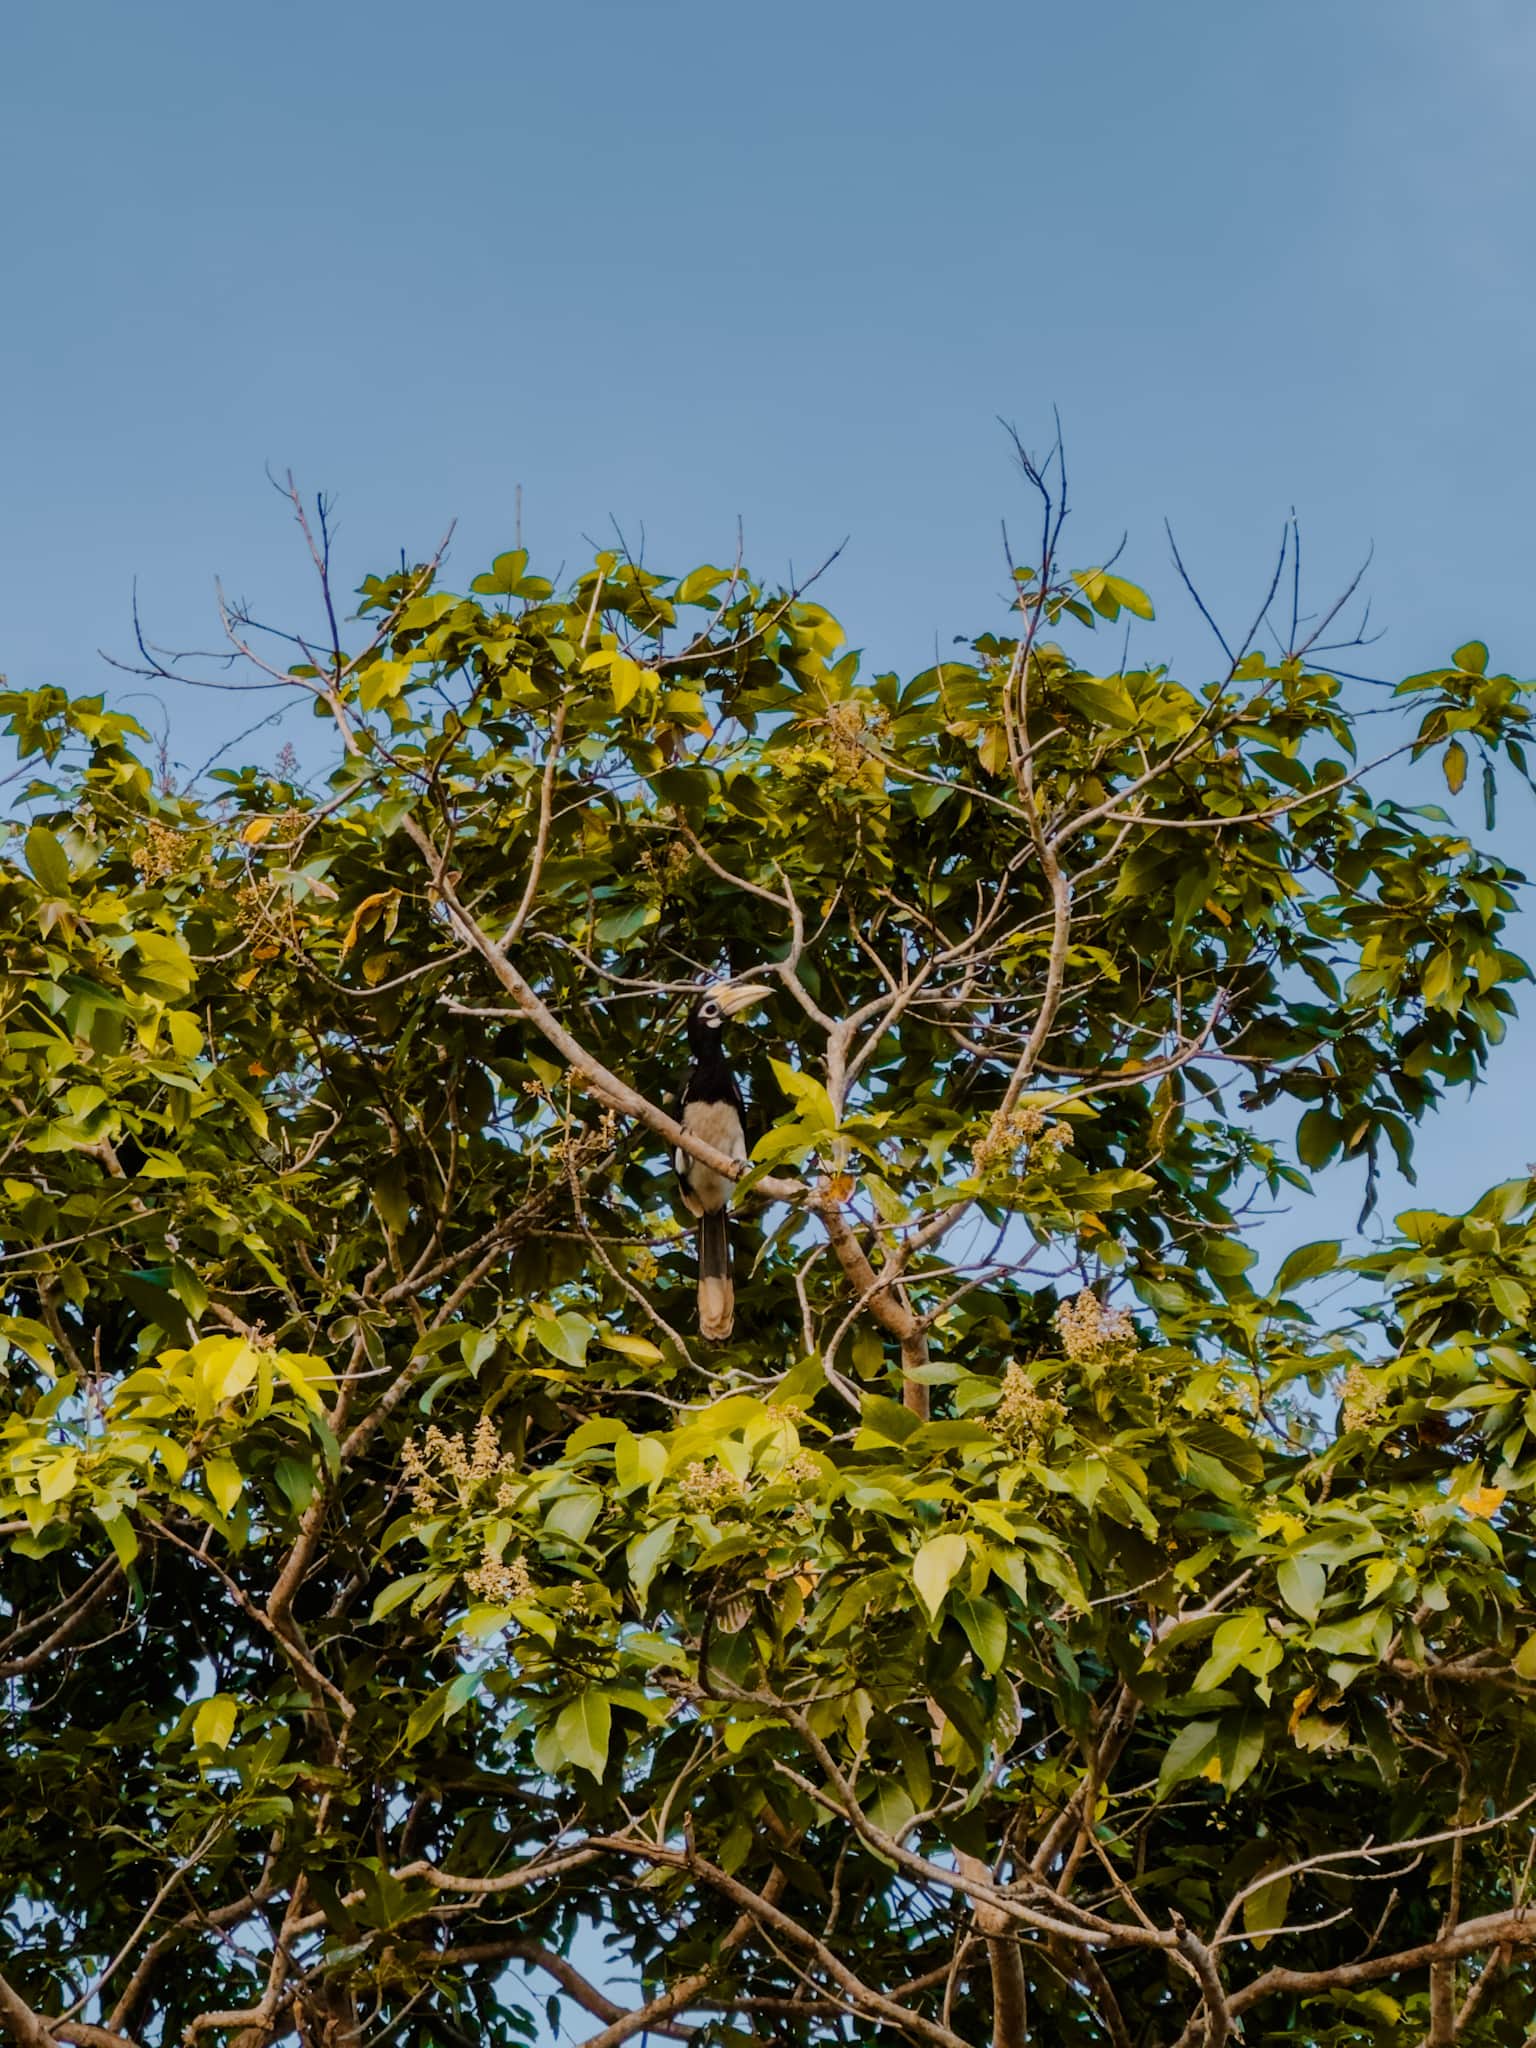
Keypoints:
pixel 1034 1624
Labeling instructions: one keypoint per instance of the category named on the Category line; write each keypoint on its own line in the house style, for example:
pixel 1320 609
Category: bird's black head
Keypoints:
pixel 712 1006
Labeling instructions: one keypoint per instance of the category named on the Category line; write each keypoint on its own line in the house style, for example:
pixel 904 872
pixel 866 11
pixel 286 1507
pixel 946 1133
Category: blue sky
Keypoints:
pixel 672 264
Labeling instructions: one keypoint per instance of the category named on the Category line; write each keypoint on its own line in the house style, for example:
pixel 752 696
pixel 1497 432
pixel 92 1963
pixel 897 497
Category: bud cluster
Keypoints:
pixel 1092 1334
pixel 1024 1417
pixel 444 1468
pixel 1020 1130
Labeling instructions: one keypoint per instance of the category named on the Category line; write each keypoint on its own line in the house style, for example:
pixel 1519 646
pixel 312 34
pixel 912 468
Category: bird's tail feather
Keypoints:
pixel 717 1297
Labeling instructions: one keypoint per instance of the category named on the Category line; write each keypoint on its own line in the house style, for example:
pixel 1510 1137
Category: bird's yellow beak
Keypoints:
pixel 741 996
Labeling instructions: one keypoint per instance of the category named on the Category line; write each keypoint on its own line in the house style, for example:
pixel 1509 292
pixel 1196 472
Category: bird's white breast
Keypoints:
pixel 717 1124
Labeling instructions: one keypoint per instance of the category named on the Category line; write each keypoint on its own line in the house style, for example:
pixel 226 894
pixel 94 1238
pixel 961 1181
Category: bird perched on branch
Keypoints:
pixel 713 1110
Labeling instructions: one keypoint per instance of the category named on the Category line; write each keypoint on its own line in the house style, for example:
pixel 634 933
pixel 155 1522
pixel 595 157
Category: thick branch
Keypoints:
pixel 1516 1929
pixel 1010 2004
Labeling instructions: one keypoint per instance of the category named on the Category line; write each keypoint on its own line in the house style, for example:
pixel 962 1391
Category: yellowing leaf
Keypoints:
pixel 1483 1502
pixel 257 829
pixel 638 1348
pixel 368 913
pixel 812 1103
pixel 226 1365
pixel 57 1478
pixel 993 750
pixel 1455 767
pixel 309 1377
pixel 224 1482
pixel 185 1034
pixel 935 1566
pixel 625 677
pixel 213 1725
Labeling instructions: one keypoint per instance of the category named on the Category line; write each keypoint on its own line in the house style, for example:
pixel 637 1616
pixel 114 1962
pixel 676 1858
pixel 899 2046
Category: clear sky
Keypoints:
pixel 670 263
pixel 666 264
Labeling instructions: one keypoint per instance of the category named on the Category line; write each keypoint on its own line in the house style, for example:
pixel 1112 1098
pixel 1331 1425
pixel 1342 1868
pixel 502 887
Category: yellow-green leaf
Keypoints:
pixel 582 1731
pixel 307 1375
pixel 813 1105
pixel 57 1478
pixel 935 1566
pixel 638 1348
pixel 625 677
pixel 47 860
pixel 213 1725
pixel 383 683
pixel 1264 1910
pixel 224 1482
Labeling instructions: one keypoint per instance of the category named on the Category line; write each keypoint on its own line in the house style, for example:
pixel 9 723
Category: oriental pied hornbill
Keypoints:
pixel 713 1109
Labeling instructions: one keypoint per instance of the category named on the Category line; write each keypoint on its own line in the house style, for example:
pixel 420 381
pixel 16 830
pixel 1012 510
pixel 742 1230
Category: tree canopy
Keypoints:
pixel 1035 1624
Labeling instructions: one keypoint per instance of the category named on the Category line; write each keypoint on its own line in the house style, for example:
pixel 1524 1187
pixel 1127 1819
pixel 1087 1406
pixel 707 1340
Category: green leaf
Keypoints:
pixel 1131 595
pixel 638 1348
pixel 383 682
pixel 1302 1582
pixel 786 1141
pixel 48 860
pixel 1472 659
pixel 884 1422
pixel 391 1197
pixel 1188 1754
pixel 583 1729
pixel 1510 1299
pixel 638 1461
pixel 646 1554
pixel 1307 1262
pixel 986 1629
pixel 1264 1910
pixel 1363 1635
pixel 1318 1136
pixel 935 1566
pixel 1103 701
pixel 1240 1747
pixel 1234 1644
pixel 565 1336
pixel 396 1594
pixel 425 1715
pixel 573 1514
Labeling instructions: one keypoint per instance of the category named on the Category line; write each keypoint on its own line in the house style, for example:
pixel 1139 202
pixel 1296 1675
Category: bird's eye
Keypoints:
pixel 712 1011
